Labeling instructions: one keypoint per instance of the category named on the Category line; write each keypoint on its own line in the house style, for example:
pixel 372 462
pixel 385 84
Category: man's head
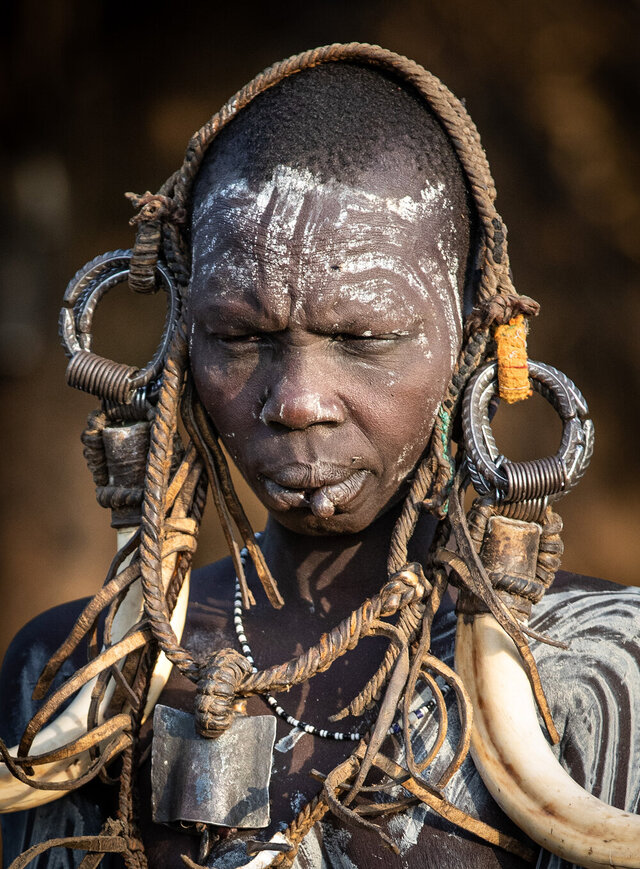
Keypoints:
pixel 331 234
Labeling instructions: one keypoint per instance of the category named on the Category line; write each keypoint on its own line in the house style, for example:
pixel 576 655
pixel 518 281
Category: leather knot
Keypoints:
pixel 403 588
pixel 155 206
pixel 217 692
pixel 499 309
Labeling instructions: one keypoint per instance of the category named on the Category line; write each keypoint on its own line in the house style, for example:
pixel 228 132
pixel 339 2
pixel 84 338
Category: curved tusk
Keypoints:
pixel 518 766
pixel 72 723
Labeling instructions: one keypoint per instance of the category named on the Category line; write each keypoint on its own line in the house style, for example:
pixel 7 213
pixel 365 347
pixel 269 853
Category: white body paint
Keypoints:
pixel 285 196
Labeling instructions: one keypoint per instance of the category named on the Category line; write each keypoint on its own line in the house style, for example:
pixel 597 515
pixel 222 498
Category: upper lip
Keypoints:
pixel 300 475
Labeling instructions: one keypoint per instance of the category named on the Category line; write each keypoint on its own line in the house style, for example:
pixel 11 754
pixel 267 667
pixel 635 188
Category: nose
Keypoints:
pixel 301 395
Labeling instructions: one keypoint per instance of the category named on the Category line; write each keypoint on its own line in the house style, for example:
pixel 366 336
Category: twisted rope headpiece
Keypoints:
pixel 163 237
pixel 162 233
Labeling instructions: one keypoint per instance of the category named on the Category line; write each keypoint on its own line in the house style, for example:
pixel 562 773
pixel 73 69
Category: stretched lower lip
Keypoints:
pixel 323 501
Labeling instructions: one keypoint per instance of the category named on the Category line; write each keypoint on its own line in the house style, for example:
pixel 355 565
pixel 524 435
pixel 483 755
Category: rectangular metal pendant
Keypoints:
pixel 223 781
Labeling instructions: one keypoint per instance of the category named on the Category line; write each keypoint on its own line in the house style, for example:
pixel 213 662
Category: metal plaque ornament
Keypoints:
pixel 223 781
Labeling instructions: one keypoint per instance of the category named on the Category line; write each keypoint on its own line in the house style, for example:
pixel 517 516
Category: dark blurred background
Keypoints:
pixel 101 97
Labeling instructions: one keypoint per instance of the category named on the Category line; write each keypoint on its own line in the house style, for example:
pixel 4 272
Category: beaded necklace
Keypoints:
pixel 395 728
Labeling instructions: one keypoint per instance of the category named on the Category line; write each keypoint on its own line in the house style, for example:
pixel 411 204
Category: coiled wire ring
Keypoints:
pixel 539 480
pixel 111 381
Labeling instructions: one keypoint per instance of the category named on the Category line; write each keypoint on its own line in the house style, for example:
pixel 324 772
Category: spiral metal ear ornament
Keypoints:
pixel 60 750
pixel 89 372
pixel 508 748
pixel 537 482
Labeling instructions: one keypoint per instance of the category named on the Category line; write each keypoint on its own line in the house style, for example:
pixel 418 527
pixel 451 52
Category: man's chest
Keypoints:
pixel 299 761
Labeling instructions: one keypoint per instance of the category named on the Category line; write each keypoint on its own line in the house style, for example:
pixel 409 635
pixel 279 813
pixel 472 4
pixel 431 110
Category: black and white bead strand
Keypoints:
pixel 395 728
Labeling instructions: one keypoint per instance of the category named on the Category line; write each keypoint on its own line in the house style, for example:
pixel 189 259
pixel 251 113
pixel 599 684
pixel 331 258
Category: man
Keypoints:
pixel 334 248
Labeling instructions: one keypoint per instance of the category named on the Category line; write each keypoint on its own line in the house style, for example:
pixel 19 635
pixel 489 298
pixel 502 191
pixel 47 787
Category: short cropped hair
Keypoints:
pixel 340 121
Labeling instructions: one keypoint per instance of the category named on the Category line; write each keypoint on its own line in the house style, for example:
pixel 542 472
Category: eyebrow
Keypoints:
pixel 236 309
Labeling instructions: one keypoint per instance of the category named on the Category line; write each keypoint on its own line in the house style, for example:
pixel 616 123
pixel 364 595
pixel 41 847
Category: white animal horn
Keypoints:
pixel 72 723
pixel 517 765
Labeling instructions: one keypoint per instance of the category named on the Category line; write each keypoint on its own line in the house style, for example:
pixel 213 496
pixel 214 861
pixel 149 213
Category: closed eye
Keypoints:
pixel 365 343
pixel 237 339
pixel 248 342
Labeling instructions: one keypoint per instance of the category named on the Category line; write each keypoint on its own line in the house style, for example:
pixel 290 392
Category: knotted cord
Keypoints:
pixel 162 234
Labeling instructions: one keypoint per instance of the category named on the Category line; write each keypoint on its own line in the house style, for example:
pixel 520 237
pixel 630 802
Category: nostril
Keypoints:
pixel 274 421
pixel 300 410
pixel 277 426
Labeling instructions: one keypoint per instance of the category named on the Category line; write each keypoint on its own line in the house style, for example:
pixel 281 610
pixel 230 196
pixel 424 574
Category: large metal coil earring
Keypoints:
pixel 513 549
pixel 525 489
pixel 114 382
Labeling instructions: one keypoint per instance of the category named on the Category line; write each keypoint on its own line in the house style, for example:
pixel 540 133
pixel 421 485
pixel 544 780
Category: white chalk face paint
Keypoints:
pixel 284 227
pixel 325 326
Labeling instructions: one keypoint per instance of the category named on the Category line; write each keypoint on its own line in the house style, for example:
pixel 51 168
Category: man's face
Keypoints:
pixel 324 329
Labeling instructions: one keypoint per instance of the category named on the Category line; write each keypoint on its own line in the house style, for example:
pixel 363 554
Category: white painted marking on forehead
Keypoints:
pixel 294 184
pixel 284 196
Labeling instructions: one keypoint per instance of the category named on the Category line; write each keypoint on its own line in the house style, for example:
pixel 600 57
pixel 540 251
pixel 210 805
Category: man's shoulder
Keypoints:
pixel 211 596
pixel 43 633
pixel 585 604
pixel 566 581
pixel 24 661
pixel 213 583
pixel 593 683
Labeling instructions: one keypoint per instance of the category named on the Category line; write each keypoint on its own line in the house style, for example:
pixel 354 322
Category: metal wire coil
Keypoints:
pixel 534 479
pixel 138 408
pixel 92 373
pixel 530 480
pixel 103 377
pixel 527 510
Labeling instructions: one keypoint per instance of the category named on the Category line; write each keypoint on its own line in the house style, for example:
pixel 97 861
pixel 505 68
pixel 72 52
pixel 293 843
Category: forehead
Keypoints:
pixel 299 242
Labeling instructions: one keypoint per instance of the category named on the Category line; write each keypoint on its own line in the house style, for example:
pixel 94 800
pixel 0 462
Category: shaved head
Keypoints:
pixel 330 248
pixel 351 124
